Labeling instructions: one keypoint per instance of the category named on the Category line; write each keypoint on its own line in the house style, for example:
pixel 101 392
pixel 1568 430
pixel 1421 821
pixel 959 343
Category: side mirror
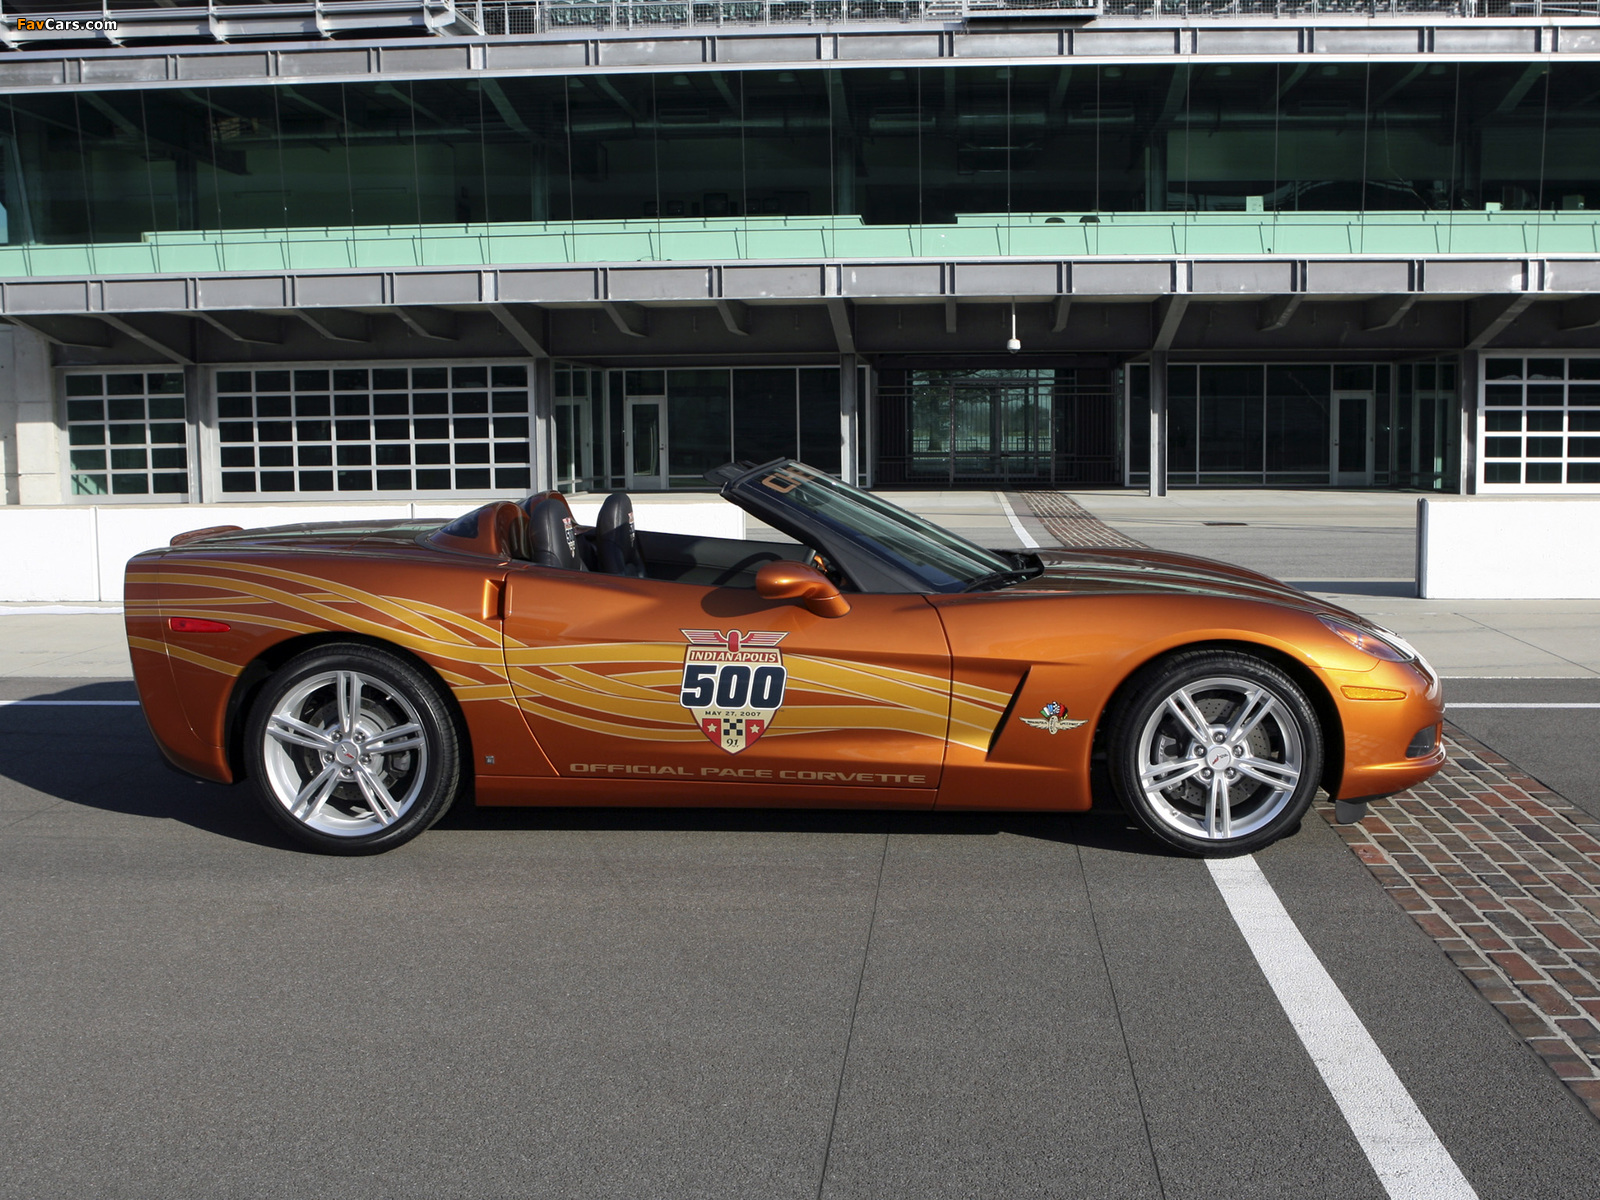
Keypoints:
pixel 793 581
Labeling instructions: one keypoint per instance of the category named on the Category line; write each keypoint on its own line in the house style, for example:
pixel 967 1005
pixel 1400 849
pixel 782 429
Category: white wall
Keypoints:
pixel 66 554
pixel 1493 549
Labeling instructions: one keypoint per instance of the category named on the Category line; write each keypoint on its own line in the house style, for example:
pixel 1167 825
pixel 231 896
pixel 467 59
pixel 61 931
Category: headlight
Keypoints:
pixel 1371 643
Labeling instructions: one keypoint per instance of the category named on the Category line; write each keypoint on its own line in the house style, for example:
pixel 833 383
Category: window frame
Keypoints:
pixel 193 463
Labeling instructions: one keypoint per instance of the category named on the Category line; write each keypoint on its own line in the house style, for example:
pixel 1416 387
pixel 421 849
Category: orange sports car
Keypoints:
pixel 365 676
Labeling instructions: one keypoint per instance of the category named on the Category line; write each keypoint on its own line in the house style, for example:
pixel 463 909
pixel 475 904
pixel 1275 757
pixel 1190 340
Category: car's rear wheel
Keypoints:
pixel 1216 752
pixel 352 750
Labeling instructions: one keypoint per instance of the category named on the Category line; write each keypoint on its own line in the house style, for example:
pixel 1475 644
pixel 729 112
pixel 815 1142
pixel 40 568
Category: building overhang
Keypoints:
pixel 677 310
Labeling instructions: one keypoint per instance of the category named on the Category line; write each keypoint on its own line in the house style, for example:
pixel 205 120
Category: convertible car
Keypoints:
pixel 365 676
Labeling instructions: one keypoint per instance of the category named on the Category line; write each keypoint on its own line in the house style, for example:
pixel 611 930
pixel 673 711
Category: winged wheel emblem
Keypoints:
pixel 1052 719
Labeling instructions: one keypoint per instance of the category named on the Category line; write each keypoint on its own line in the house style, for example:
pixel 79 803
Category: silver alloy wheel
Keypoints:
pixel 1220 757
pixel 345 753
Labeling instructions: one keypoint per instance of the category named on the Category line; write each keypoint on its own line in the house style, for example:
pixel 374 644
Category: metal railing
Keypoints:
pixel 541 16
pixel 119 21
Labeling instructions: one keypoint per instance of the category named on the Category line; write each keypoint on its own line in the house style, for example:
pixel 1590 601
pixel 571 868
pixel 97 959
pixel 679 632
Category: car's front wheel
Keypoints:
pixel 352 750
pixel 1216 752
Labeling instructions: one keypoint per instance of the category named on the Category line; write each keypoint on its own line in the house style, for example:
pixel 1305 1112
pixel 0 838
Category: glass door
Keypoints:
pixel 645 444
pixel 1354 439
pixel 573 439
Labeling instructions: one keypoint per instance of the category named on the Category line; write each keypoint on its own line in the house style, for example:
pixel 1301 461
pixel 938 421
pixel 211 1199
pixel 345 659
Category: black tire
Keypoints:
pixel 1265 774
pixel 360 784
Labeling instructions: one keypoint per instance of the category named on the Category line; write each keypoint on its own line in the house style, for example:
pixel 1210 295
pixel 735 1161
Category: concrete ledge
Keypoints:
pixel 77 555
pixel 1489 549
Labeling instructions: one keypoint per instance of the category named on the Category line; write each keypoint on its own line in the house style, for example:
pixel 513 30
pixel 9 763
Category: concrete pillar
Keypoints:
pixel 1468 378
pixel 8 419
pixel 867 428
pixel 1158 423
pixel 199 397
pixel 543 433
pixel 28 420
pixel 848 404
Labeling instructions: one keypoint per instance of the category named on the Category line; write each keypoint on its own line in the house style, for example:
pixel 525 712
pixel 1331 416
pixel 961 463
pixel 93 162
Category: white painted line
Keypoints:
pixel 1493 704
pixel 71 703
pixel 57 610
pixel 1410 1161
pixel 1544 678
pixel 1016 525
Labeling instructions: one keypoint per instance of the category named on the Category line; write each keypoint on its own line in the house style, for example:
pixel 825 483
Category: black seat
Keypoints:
pixel 616 539
pixel 554 535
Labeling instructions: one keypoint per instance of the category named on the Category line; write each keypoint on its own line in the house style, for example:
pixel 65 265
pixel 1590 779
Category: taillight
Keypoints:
pixel 196 625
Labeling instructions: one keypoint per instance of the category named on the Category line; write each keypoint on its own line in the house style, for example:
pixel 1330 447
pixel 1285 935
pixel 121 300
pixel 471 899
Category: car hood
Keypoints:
pixel 1146 572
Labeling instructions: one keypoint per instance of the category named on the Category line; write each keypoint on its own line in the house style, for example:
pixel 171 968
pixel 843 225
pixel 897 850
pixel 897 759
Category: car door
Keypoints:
pixel 652 682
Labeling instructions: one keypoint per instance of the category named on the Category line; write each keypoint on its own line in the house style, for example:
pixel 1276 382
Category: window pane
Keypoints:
pixel 698 435
pixel 764 415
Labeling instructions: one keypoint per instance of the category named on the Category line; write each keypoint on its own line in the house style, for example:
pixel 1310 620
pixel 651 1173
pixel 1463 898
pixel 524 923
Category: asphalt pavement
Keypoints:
pixel 627 1003
pixel 570 1003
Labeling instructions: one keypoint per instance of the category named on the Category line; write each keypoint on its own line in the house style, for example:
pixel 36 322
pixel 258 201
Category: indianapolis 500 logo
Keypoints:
pixel 733 683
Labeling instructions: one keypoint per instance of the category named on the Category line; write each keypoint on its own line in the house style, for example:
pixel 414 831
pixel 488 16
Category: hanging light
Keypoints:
pixel 1013 344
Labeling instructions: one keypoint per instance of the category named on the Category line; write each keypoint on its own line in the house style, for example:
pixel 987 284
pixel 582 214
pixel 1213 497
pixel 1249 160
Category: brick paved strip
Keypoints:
pixel 1074 526
pixel 1500 872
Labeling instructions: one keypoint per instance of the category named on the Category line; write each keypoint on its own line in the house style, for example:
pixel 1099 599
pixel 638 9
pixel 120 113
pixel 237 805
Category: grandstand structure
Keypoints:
pixel 429 249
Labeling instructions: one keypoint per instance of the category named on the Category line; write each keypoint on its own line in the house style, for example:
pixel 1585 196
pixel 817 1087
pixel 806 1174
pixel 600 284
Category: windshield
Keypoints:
pixel 943 561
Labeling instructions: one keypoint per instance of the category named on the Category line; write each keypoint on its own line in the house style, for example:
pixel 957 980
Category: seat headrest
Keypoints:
pixel 537 498
pixel 616 512
pixel 554 535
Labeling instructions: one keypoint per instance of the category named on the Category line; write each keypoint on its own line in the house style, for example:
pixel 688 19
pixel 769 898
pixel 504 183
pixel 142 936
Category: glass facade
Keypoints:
pixel 944 426
pixel 1540 421
pixel 912 147
pixel 643 429
pixel 1301 424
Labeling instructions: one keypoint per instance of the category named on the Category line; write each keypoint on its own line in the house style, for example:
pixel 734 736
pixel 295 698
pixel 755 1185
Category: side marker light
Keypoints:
pixel 1372 693
pixel 196 625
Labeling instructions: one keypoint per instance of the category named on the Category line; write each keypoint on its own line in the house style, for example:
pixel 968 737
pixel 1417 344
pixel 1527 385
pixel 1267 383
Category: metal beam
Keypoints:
pixel 1385 312
pixel 1295 76
pixel 389 89
pixel 1522 86
pixel 1395 88
pixel 336 325
pixel 621 101
pixel 630 319
pixel 843 333
pixel 1058 90
pixel 524 335
pixel 1168 316
pixel 154 343
pixel 271 334
pixel 1060 310
pixel 1177 90
pixel 719 80
pixel 1580 314
pixel 1277 311
pixel 735 315
pixel 502 105
pixel 93 337
pixel 949 314
pixel 432 323
pixel 1487 318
